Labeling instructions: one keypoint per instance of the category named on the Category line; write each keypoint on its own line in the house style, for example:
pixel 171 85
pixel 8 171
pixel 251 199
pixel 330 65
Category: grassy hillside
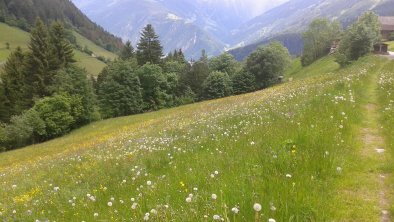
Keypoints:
pixel 16 37
pixel 391 46
pixel 324 65
pixel 98 51
pixel 295 149
pixel 23 14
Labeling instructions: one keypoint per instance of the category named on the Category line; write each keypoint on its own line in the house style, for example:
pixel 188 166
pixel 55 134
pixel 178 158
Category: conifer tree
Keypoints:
pixel 4 105
pixel 61 50
pixel 15 84
pixel 149 48
pixel 127 51
pixel 38 60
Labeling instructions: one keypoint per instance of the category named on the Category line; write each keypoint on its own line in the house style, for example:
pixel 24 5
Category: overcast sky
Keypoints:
pixel 258 6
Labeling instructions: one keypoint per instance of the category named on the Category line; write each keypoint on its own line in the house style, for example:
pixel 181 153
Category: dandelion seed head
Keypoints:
pixel 257 207
pixel 235 210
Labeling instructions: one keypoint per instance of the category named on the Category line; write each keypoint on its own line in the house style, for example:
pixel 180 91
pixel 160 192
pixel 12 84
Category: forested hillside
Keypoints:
pixel 22 13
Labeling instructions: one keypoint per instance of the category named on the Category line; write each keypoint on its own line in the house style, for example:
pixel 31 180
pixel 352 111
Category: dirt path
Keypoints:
pixel 390 56
pixel 374 149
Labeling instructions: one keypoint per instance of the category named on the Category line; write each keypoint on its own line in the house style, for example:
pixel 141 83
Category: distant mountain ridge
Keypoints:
pixel 295 16
pixel 190 25
pixel 221 25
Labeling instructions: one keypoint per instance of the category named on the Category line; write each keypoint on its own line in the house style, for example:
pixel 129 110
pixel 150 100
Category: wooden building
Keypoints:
pixel 387 26
pixel 381 48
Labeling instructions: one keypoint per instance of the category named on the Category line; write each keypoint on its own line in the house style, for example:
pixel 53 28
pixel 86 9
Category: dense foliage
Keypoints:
pixel 318 39
pixel 119 90
pixel 217 85
pixel 268 64
pixel 22 13
pixel 359 39
pixel 44 95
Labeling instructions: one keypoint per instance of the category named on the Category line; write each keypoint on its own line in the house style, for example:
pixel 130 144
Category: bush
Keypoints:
pixel 59 113
pixel 74 81
pixel 23 130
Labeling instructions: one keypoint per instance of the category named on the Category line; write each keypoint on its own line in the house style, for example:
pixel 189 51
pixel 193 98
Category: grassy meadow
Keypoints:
pixel 288 152
pixel 386 107
pixel 391 46
pixel 16 37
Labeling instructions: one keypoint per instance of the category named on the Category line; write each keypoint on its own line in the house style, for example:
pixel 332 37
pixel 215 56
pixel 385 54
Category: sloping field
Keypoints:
pixel 292 152
pixel 16 37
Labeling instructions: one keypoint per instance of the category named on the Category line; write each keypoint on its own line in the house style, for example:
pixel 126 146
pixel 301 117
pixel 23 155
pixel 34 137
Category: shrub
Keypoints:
pixel 59 113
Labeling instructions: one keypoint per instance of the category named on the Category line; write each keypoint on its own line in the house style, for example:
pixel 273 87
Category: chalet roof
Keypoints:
pixel 387 23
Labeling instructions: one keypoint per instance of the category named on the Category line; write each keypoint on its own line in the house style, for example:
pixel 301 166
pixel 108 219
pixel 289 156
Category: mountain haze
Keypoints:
pixel 285 23
pixel 190 25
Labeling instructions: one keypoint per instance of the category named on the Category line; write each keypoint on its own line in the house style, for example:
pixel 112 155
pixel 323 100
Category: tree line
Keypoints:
pixel 44 95
pixel 356 41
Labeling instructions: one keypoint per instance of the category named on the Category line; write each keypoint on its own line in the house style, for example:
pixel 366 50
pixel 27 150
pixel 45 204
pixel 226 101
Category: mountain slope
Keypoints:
pixel 16 37
pixel 292 149
pixel 293 17
pixel 23 13
pixel 292 41
pixel 190 25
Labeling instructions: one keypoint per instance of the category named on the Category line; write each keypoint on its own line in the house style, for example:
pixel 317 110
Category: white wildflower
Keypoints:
pixel 257 207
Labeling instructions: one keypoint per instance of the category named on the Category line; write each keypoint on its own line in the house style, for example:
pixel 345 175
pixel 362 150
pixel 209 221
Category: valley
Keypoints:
pixel 291 148
pixel 225 110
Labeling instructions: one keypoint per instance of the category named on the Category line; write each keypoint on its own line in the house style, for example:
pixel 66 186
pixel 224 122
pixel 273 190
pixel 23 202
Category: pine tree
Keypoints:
pixel 4 105
pixel 204 56
pixel 181 56
pixel 127 51
pixel 15 84
pixel 61 50
pixel 38 60
pixel 149 48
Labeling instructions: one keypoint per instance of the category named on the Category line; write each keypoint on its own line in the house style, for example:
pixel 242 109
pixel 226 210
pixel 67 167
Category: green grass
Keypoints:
pixel 98 51
pixel 17 37
pixel 386 105
pixel 14 36
pixel 391 46
pixel 324 65
pixel 291 148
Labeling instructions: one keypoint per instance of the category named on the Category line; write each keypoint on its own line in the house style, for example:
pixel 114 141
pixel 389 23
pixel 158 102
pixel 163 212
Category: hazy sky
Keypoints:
pixel 255 7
